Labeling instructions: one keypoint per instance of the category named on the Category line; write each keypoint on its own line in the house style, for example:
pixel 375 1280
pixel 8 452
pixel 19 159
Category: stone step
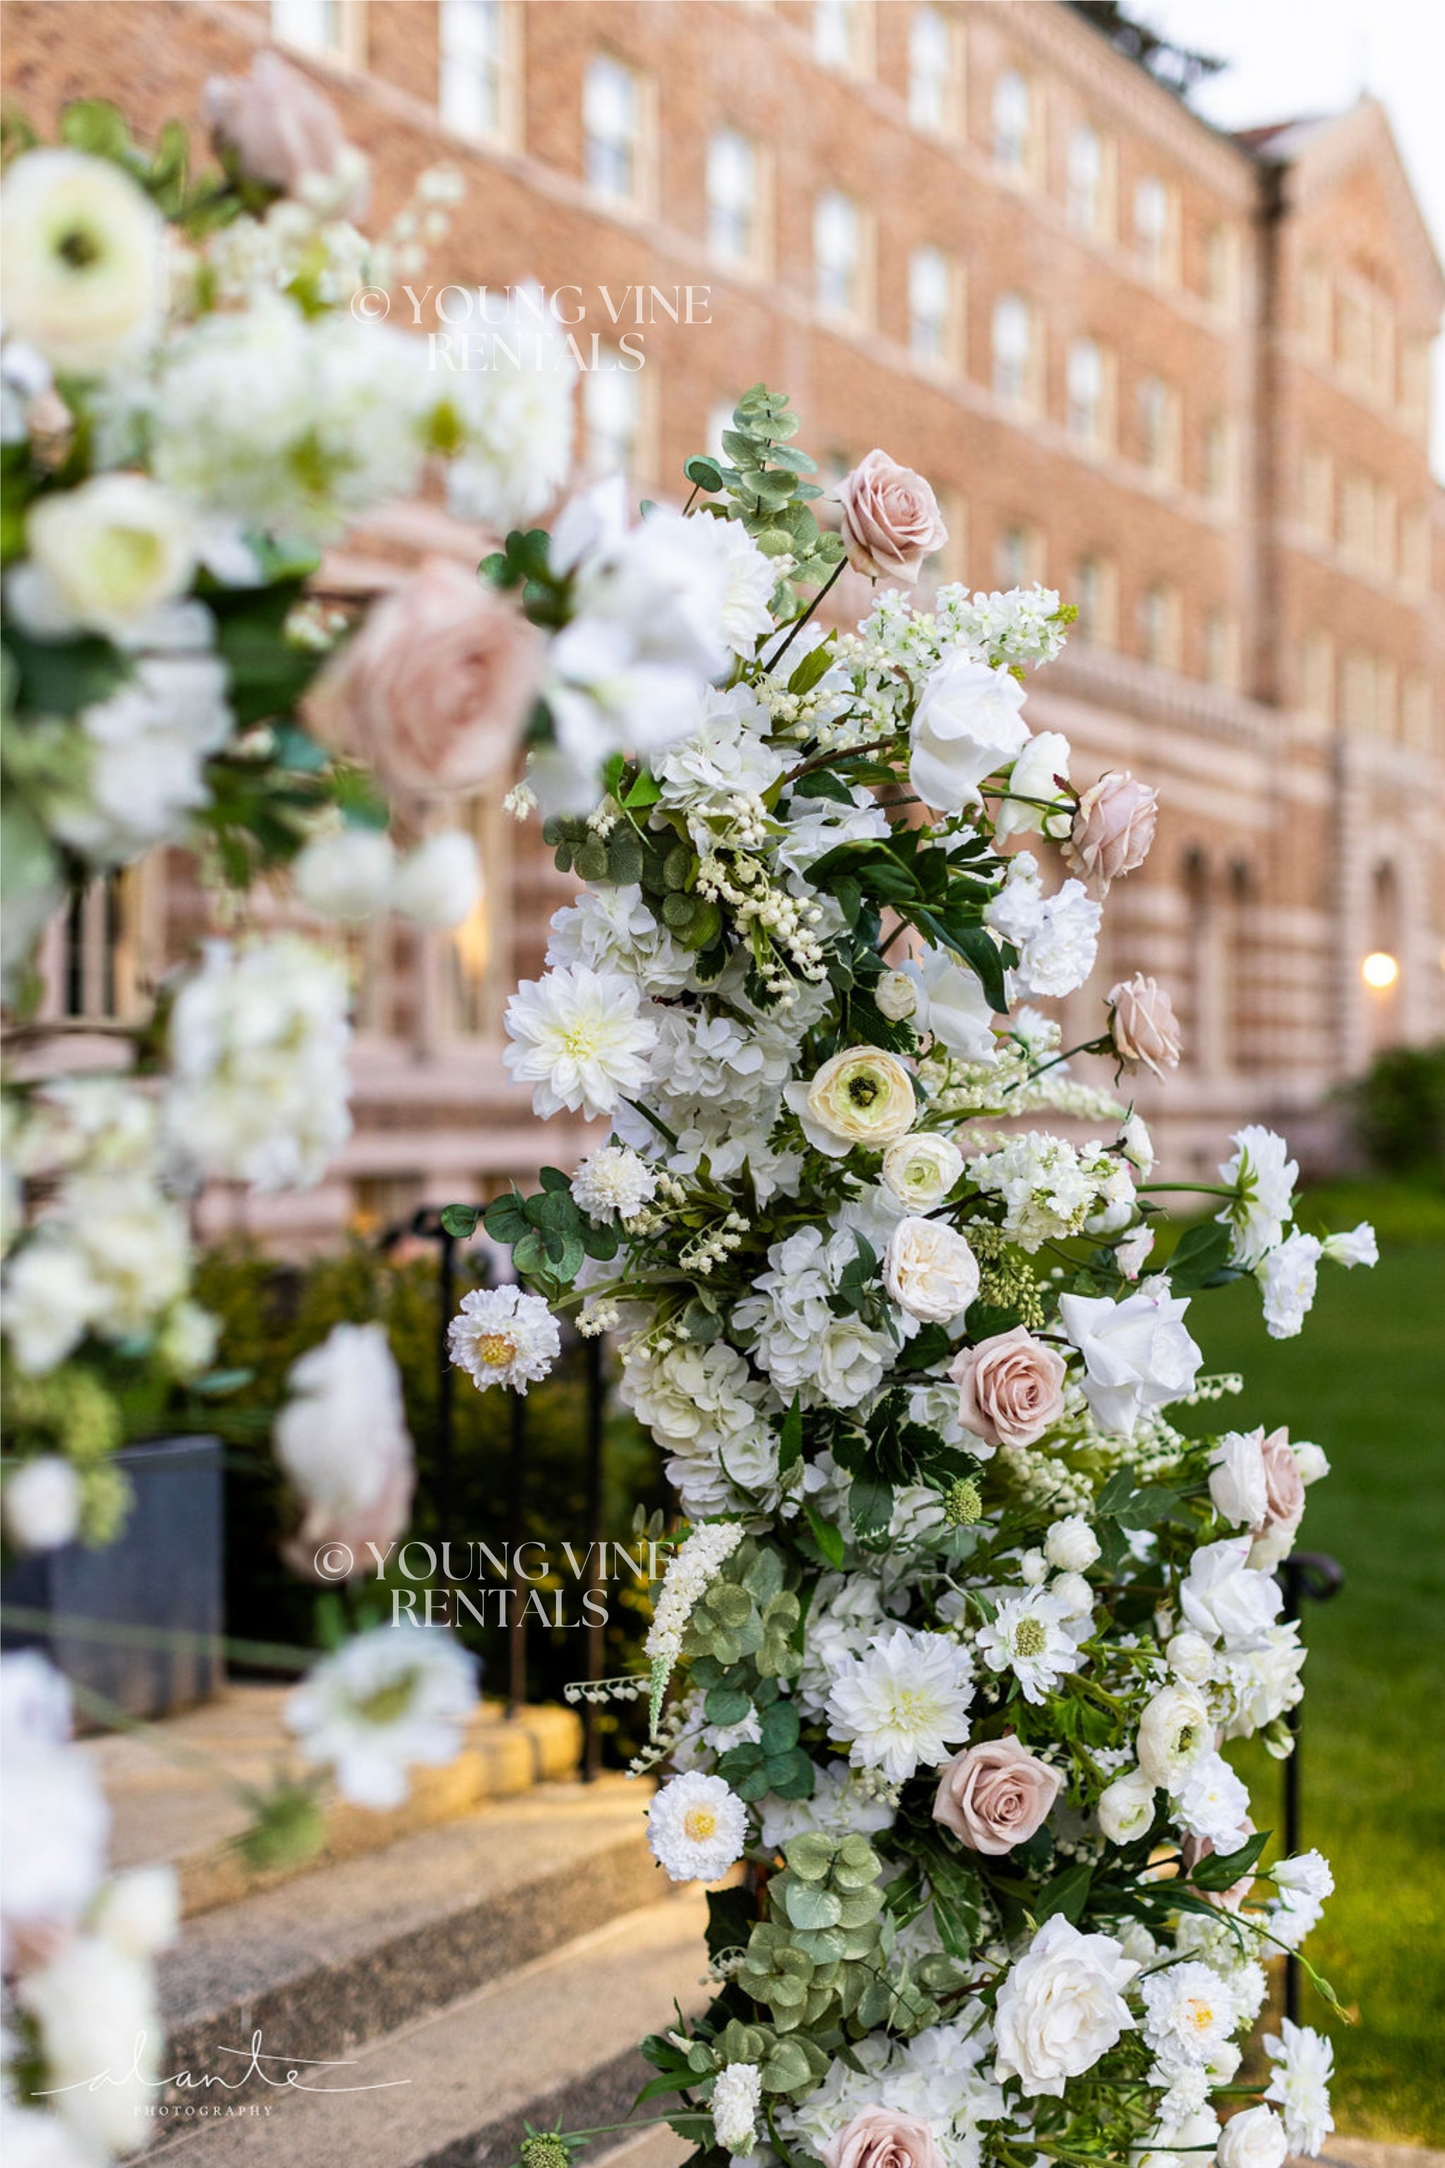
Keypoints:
pixel 173 1787
pixel 555 2040
pixel 357 1949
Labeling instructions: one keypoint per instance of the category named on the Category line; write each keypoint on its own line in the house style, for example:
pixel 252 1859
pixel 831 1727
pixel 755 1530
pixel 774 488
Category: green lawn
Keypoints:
pixel 1366 1380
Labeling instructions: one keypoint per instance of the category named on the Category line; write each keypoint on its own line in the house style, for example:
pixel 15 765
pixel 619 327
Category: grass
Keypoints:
pixel 1364 1381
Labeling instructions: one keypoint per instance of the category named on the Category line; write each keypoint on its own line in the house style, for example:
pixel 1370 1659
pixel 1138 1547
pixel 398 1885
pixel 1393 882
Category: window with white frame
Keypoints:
pixel 1019 557
pixel 474 82
pixel 613 128
pixel 1222 267
pixel 612 419
pixel 839 282
pixel 1015 355
pixel 1154 226
pixel 94 962
pixel 1357 690
pixel 1013 109
pixel 843 35
pixel 1221 649
pixel 1385 555
pixel 1087 387
pixel 932 307
pixel 1096 596
pixel 312 26
pixel 1317 307
pixel 1416 728
pixel 1317 494
pixel 933 100
pixel 1159 429
pixel 1357 517
pixel 1415 547
pixel 1159 624
pixel 1086 181
pixel 734 199
pixel 1220 460
pixel 1317 677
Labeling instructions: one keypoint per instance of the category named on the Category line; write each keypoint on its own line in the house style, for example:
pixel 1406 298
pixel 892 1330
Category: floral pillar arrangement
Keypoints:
pixel 962 1620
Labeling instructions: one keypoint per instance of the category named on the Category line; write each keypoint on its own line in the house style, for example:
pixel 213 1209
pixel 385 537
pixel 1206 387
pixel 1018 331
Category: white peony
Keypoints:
pixel 580 1038
pixel 1287 1278
pixel 1061 2008
pixel 929 1270
pixel 393 1696
pixel 921 1169
pixel 104 557
pixel 903 1704
pixel 966 726
pixel 1137 1355
pixel 40 1503
pixel 83 251
pixel 696 1828
pixel 504 1336
pixel 439 883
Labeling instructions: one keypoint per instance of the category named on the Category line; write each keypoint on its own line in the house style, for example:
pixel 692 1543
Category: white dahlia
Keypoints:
pixel 903 1704
pixel 580 1040
pixel 503 1336
pixel 696 1828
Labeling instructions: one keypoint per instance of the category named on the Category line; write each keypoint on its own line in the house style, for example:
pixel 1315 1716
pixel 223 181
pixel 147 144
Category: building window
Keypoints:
pixel 1415 548
pixel 843 35
pixel 477 68
pixel 1159 625
pixel 1020 555
pixel 735 200
pixel 1415 718
pixel 932 308
pixel 838 257
pixel 1088 182
pixel 1317 495
pixel 613 102
pixel 1357 517
pixel 312 26
pixel 1317 308
pixel 1159 429
pixel 612 420
pixel 933 88
pixel 1013 124
pixel 95 979
pixel 1317 678
pixel 1221 649
pixel 1222 268
pixel 1096 597
pixel 1088 383
pixel 1154 228
pixel 1015 350
pixel 1415 383
pixel 1220 463
pixel 1357 690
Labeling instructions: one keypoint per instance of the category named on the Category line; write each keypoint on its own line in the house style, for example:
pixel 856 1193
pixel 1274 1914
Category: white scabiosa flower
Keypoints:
pixel 1287 1278
pixel 1303 2062
pixel 736 2097
pixel 581 1040
pixel 504 1336
pixel 40 1503
pixel 903 1704
pixel 613 1181
pixel 395 1696
pixel 1264 1175
pixel 1030 1635
pixel 696 1828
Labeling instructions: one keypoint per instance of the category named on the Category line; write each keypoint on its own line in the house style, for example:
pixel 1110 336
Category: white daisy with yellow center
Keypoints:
pixel 697 1827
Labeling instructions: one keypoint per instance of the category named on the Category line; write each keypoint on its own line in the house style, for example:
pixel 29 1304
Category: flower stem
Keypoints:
pixel 798 622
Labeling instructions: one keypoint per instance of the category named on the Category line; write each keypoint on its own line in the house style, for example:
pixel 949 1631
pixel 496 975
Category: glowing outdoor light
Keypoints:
pixel 1379 969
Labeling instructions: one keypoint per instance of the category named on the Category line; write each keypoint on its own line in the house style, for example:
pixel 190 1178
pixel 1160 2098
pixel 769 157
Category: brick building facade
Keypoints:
pixel 1181 376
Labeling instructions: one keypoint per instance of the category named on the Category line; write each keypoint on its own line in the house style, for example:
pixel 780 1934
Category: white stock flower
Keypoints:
pixel 342 1437
pixel 1032 1635
pixel 929 1270
pixel 1212 1802
pixel 696 1828
pixel 103 557
pixel 1226 1599
pixel 1189 2012
pixel 1237 1484
pixel 1302 1884
pixel 1036 773
pixel 393 1696
pixel 1126 1807
pixel 966 726
pixel 1070 1545
pixel 440 882
pixel 1287 1277
pixel 903 1703
pixel 613 1180
pixel 1057 936
pixel 1061 2008
pixel 580 1038
pixel 1259 1167
pixel 347 874
pixel 689 1573
pixel 1253 2138
pixel 921 1169
pixel 40 1503
pixel 1304 2062
pixel 54 1819
pixel 1137 1354
pixel 736 2100
pixel 83 250
pixel 1358 1246
pixel 100 2037
pixel 504 1336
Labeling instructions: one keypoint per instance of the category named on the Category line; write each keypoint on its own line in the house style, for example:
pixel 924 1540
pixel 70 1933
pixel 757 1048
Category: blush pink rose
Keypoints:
pixel 882 2138
pixel 282 131
pixel 1284 1503
pixel 435 688
pixel 995 1795
pixel 891 520
pixel 1010 1388
pixel 1144 1026
pixel 1111 832
pixel 1194 1849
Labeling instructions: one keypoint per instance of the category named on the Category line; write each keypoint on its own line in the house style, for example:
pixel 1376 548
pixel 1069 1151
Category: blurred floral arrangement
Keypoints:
pixel 963 1620
pixel 191 412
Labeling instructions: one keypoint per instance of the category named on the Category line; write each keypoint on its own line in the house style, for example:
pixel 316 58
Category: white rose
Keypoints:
pixel 966 726
pixel 1126 1807
pixel 1312 1460
pixel 41 1503
pixel 1225 1598
pixel 345 875
pixel 83 251
pixel 104 557
pixel 440 883
pixel 1035 773
pixel 1237 1482
pixel 1033 1568
pixel 1255 2138
pixel 921 1169
pixel 896 996
pixel 1137 1354
pixel 1071 1544
pixel 929 1270
pixel 1174 1731
pixel 1061 2008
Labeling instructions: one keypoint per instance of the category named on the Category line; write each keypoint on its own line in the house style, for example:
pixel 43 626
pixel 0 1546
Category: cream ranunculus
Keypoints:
pixel 84 263
pixel 1174 1731
pixel 860 1096
pixel 966 726
pixel 929 1270
pixel 921 1169
pixel 1126 1807
pixel 107 555
pixel 1061 2008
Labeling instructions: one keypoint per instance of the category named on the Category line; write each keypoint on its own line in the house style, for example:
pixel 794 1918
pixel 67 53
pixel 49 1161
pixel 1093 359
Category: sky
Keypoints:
pixel 1292 57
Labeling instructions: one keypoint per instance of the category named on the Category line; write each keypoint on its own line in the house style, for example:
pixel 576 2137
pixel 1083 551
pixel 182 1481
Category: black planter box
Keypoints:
pixel 165 1575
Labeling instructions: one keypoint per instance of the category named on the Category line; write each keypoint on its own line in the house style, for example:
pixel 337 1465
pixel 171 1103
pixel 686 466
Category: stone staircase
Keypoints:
pixel 488 1957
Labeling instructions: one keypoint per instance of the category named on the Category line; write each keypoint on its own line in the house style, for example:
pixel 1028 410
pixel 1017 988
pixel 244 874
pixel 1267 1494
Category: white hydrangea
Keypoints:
pixel 611 929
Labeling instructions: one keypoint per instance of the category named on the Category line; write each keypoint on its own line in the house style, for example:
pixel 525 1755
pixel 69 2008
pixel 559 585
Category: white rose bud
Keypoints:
pixel 1033 1569
pixel 921 1170
pixel 1071 1544
pixel 1074 1593
pixel 1174 1731
pixel 1255 2138
pixel 1190 1656
pixel 896 996
pixel 1313 1462
pixel 1138 1145
pixel 1237 1485
pixel 1126 1807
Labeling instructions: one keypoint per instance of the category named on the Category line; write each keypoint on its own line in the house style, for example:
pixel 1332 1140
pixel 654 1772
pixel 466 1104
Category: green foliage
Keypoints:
pixel 548 1234
pixel 1397 1112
